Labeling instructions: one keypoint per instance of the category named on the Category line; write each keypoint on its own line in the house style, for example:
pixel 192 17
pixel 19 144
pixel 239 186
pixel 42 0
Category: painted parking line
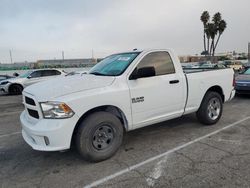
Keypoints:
pixel 10 134
pixel 130 168
pixel 11 113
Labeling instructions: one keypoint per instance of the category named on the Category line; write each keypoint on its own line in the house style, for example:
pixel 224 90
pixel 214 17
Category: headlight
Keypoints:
pixel 4 82
pixel 56 110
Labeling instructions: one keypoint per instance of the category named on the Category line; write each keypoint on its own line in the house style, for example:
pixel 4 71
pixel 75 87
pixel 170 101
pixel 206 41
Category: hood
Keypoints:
pixel 47 90
pixel 243 77
pixel 13 80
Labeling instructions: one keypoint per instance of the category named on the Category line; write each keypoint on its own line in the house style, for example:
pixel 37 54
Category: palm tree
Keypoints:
pixel 217 18
pixel 208 31
pixel 211 30
pixel 221 28
pixel 216 21
pixel 205 19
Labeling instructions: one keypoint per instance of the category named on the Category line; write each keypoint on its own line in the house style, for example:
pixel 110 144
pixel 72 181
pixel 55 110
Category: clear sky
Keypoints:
pixel 42 29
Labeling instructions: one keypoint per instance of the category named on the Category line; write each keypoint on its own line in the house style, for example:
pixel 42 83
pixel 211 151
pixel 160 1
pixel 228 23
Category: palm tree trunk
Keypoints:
pixel 213 50
pixel 208 41
pixel 204 41
pixel 211 47
pixel 217 42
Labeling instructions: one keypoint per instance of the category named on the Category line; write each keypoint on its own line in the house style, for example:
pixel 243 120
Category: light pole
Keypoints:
pixel 11 57
pixel 63 55
pixel 248 52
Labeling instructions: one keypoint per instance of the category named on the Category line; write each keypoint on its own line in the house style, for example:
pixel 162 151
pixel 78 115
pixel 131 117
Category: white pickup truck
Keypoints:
pixel 125 91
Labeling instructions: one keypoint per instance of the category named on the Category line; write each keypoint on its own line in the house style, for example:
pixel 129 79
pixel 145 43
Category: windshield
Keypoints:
pixel 114 65
pixel 25 75
pixel 247 71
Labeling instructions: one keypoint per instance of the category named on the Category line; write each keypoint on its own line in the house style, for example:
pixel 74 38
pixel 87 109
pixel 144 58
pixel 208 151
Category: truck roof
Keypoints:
pixel 144 50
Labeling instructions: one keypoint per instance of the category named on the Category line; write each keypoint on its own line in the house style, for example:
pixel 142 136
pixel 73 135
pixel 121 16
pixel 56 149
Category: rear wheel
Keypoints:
pixel 15 89
pixel 99 136
pixel 211 109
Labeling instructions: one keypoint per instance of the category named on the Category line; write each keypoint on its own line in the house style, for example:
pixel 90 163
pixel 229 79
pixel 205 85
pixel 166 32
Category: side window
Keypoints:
pixel 56 72
pixel 51 72
pixel 47 73
pixel 36 74
pixel 161 61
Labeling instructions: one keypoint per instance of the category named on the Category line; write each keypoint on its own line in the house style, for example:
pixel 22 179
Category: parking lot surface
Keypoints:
pixel 176 153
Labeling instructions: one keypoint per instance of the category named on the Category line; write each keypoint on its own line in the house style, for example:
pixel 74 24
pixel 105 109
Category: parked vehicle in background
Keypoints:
pixel 187 65
pixel 236 65
pixel 123 92
pixel 16 85
pixel 76 73
pixel 215 66
pixel 192 67
pixel 242 82
pixel 4 77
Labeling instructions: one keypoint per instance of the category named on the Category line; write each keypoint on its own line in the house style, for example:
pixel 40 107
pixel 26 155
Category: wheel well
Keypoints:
pixel 107 108
pixel 218 90
pixel 15 84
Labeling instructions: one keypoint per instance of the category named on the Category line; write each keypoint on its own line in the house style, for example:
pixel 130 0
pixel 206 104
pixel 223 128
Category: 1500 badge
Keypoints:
pixel 137 99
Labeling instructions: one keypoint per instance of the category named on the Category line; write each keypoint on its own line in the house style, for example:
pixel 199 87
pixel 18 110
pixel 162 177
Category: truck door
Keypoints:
pixel 160 97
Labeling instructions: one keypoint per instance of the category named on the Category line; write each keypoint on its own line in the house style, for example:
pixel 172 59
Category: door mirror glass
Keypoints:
pixel 143 72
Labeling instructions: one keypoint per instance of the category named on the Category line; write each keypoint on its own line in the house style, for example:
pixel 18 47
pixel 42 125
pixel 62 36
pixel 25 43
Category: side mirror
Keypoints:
pixel 143 72
pixel 29 77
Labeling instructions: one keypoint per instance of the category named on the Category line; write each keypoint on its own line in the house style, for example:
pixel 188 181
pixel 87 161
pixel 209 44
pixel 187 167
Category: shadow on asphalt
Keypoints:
pixel 243 96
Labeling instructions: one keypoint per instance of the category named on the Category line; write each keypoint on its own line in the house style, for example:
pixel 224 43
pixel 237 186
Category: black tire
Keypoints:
pixel 91 142
pixel 206 114
pixel 15 89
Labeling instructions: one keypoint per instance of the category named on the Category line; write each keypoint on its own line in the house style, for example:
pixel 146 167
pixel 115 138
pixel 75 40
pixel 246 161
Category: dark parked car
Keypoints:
pixel 242 82
pixel 4 77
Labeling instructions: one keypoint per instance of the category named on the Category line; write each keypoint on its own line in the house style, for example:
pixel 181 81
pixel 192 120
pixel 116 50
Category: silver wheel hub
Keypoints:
pixel 214 108
pixel 103 137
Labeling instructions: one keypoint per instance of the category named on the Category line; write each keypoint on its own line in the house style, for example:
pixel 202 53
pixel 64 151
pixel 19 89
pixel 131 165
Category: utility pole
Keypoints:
pixel 11 57
pixel 92 54
pixel 63 55
pixel 248 52
pixel 93 59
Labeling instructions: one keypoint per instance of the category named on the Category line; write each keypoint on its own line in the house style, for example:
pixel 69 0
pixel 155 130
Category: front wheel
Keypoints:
pixel 15 89
pixel 99 136
pixel 211 109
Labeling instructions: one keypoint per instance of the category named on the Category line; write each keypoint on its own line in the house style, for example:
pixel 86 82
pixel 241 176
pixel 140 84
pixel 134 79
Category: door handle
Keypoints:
pixel 174 81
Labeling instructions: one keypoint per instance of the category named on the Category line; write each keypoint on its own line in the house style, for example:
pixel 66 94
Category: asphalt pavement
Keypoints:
pixel 176 153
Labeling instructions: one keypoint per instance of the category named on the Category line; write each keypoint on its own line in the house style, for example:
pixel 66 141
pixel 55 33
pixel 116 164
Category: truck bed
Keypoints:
pixel 195 70
pixel 200 80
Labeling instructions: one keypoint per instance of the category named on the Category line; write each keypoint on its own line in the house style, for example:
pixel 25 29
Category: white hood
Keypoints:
pixel 47 90
pixel 14 80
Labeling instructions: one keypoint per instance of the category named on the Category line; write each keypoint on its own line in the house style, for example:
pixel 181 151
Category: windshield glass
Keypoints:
pixel 25 75
pixel 247 71
pixel 114 65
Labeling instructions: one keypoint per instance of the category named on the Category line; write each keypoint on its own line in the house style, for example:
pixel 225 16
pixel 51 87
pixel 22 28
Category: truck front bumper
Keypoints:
pixel 48 134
